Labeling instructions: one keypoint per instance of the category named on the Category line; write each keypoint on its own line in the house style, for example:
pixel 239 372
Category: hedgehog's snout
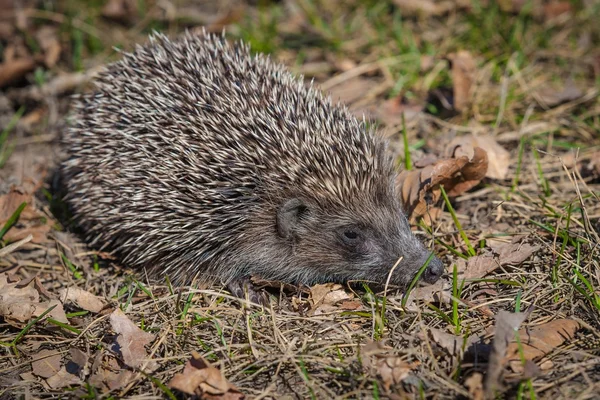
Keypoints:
pixel 434 270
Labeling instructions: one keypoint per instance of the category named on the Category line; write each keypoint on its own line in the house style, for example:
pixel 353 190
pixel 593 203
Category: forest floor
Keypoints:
pixel 496 102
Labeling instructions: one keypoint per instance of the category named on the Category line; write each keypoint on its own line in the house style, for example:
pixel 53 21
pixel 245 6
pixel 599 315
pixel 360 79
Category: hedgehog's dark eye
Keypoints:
pixel 351 237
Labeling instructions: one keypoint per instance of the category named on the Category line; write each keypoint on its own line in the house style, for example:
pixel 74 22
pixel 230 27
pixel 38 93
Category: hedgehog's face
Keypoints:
pixel 340 245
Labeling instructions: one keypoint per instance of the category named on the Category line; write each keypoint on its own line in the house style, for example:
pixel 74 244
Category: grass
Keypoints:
pixel 12 220
pixel 289 350
pixel 7 148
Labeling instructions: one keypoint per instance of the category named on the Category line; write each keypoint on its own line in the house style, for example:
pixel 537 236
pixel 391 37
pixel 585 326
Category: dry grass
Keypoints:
pixel 550 199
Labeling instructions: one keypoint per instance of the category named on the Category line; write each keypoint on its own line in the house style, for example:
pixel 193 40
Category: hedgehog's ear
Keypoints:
pixel 288 216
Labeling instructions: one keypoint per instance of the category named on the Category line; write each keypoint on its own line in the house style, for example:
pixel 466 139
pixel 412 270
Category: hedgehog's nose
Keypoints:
pixel 434 271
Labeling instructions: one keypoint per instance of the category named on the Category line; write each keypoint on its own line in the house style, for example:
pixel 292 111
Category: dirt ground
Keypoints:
pixel 492 111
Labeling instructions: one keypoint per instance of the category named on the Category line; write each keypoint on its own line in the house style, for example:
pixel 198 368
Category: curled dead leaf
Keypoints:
pixel 200 378
pixel 497 158
pixel 419 188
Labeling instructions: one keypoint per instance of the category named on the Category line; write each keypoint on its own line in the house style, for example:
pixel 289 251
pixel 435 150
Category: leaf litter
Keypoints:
pixel 330 340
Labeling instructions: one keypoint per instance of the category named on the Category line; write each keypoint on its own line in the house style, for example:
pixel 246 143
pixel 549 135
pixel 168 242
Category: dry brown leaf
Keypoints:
pixel 439 292
pixel 38 232
pixel 47 38
pixel 20 301
pixel 508 254
pixel 124 11
pixel 498 158
pixel 463 75
pixel 556 8
pixel 351 305
pixel 77 363
pixel 63 378
pixel 11 201
pixel 200 378
pixel 379 359
pixel 15 69
pixel 328 293
pixel 131 339
pixel 108 374
pixel 419 188
pixel 507 324
pixel 82 299
pixel 540 340
pixel 552 97
pixel 392 110
pixel 46 363
pixel 32 222
pixel 452 343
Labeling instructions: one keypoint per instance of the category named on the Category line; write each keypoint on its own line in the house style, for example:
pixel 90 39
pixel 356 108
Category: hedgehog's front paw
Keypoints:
pixel 243 288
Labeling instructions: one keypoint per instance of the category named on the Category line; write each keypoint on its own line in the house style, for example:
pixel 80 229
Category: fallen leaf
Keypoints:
pixel 379 360
pixel 507 324
pixel 46 363
pixel 20 301
pixel 498 158
pixel 551 97
pixel 108 374
pixel 47 38
pixel 351 305
pixel 11 201
pixel 124 11
pixel 15 69
pixel 392 110
pixel 439 292
pixel 39 233
pixel 508 254
pixel 201 379
pixel 463 74
pixel 31 221
pixel 82 299
pixel 325 297
pixel 540 340
pixel 454 345
pixel 131 339
pixel 63 378
pixel 77 364
pixel 556 8
pixel 419 187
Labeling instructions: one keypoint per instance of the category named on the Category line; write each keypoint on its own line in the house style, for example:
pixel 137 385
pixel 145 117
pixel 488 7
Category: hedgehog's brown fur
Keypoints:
pixel 192 156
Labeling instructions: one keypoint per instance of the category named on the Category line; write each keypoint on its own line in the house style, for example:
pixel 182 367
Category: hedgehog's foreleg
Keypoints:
pixel 243 288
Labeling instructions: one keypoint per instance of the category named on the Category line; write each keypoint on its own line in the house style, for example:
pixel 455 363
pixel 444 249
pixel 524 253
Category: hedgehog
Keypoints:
pixel 194 158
